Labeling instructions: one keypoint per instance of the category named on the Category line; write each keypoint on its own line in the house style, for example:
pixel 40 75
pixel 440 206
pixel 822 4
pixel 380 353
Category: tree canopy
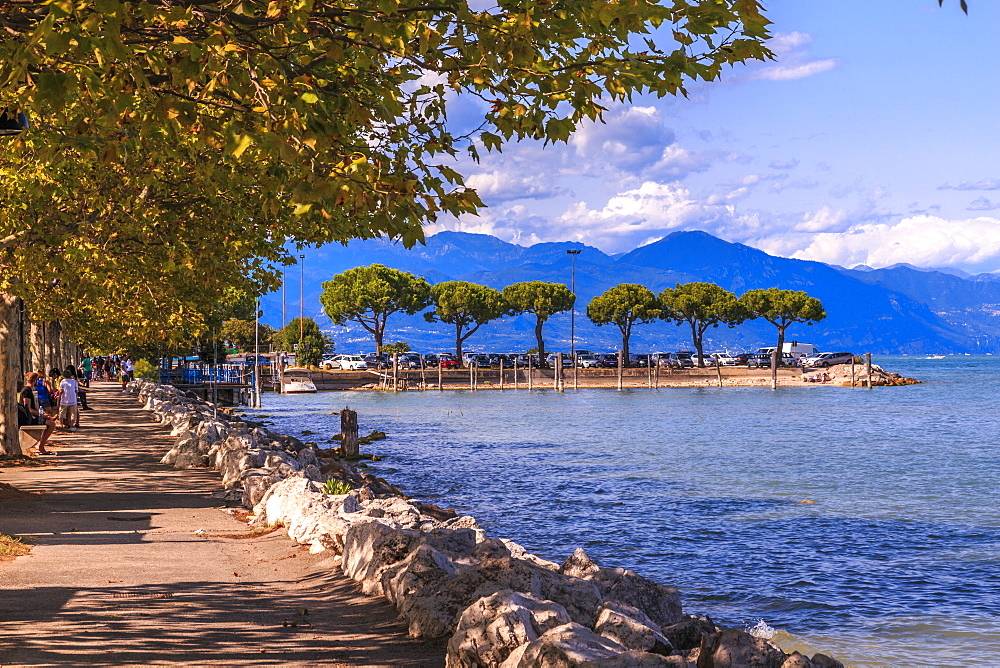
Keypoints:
pixel 242 334
pixel 541 299
pixel 701 305
pixel 465 305
pixel 308 341
pixel 624 305
pixel 369 295
pixel 781 308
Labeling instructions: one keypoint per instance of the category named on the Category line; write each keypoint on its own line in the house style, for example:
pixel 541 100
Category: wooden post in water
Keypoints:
pixel 440 376
pixel 395 372
pixel 852 370
pixel 349 434
pixel 423 377
pixel 515 372
pixel 718 371
pixel 557 376
pixel 621 370
pixel 649 371
pixel 529 371
pixel 656 374
pixel 576 370
pixel 868 368
pixel 501 374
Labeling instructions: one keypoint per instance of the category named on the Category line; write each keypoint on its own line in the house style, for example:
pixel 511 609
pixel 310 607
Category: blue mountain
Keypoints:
pixel 893 310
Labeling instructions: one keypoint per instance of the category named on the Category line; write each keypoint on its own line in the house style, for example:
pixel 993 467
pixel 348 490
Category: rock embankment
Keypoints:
pixel 840 374
pixel 492 601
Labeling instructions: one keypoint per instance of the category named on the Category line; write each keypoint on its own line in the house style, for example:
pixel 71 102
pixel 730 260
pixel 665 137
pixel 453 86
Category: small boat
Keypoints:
pixel 297 381
pixel 935 357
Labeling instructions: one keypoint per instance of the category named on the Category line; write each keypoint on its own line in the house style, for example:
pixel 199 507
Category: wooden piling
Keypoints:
pixel 576 370
pixel 868 368
pixel 515 372
pixel 649 371
pixel 620 370
pixel 529 372
pixel 656 374
pixel 557 376
pixel 395 372
pixel 349 434
pixel 423 377
pixel 852 371
pixel 718 371
pixel 440 376
pixel 501 374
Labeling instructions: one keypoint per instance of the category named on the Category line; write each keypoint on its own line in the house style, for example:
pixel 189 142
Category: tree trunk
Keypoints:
pixel 379 333
pixel 699 345
pixel 626 335
pixel 10 378
pixel 538 340
pixel 36 337
pixel 458 344
pixel 776 357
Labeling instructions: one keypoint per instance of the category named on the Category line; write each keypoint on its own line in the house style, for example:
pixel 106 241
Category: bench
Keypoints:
pixel 29 437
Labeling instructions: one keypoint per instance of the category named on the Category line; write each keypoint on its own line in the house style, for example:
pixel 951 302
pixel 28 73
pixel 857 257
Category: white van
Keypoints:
pixel 793 348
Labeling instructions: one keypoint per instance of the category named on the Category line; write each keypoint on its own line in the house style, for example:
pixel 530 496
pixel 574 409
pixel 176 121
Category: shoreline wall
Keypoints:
pixel 494 603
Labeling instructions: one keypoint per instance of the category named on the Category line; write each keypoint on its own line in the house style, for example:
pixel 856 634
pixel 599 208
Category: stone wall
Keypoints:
pixel 492 601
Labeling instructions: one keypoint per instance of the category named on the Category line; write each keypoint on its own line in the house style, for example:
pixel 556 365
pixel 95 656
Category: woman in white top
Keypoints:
pixel 69 412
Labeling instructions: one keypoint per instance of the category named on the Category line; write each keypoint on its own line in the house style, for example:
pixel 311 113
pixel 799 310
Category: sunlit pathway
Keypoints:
pixel 118 574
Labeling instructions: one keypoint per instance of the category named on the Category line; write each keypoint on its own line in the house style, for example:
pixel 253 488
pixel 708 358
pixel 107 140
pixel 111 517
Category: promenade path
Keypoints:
pixel 118 575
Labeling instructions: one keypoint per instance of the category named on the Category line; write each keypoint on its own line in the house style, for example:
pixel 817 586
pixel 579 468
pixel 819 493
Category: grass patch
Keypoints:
pixel 13 546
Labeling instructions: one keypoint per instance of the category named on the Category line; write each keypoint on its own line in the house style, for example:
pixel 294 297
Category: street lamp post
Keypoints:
pixel 572 311
pixel 302 284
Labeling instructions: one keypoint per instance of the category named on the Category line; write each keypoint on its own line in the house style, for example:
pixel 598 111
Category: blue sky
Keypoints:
pixel 872 138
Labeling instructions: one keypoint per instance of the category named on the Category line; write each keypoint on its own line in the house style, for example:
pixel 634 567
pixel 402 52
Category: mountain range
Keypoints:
pixel 899 309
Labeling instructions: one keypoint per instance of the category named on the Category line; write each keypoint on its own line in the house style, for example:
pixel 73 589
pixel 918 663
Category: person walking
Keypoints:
pixel 128 367
pixel 69 412
pixel 87 365
pixel 30 413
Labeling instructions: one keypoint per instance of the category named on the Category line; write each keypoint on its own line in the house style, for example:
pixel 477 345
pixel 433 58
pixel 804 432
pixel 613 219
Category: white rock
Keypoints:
pixel 493 627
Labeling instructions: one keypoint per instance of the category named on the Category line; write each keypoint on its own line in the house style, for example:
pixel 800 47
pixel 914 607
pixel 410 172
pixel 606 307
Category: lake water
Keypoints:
pixel 895 562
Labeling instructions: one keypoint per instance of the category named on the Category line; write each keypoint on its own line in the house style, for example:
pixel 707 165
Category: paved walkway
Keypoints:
pixel 119 576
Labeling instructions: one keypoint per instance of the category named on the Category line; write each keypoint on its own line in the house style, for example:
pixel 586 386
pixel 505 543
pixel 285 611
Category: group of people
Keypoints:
pixel 51 399
pixel 113 367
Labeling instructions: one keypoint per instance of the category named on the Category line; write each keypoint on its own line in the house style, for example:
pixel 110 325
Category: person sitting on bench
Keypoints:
pixel 28 413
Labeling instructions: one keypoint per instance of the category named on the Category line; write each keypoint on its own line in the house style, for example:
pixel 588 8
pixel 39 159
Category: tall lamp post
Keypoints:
pixel 302 286
pixel 572 311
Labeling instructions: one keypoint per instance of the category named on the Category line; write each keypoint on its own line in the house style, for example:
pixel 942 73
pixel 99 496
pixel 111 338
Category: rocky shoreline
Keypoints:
pixel 494 603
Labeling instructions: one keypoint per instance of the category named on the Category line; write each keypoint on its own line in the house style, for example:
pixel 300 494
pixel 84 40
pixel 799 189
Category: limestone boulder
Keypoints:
pixel 490 629
pixel 567 646
pixel 419 588
pixel 370 547
pixel 660 603
pixel 631 628
pixel 687 633
pixel 734 648
pixel 309 515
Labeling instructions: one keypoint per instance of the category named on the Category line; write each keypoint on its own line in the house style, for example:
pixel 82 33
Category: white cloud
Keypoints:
pixel 982 184
pixel 926 241
pixel 504 185
pixel 792 59
pixel 982 204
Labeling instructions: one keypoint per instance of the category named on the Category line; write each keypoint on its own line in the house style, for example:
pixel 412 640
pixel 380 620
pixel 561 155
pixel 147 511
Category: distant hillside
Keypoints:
pixel 881 311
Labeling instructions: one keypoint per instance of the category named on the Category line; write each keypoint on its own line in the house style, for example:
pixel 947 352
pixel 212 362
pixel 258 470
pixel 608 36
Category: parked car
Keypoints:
pixel 444 360
pixel 587 360
pixel 480 361
pixel 829 359
pixel 567 361
pixel 723 359
pixel 742 358
pixel 763 360
pixel 502 361
pixel 608 360
pixel 641 361
pixel 377 361
pixel 685 359
pixel 346 362
pixel 409 361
